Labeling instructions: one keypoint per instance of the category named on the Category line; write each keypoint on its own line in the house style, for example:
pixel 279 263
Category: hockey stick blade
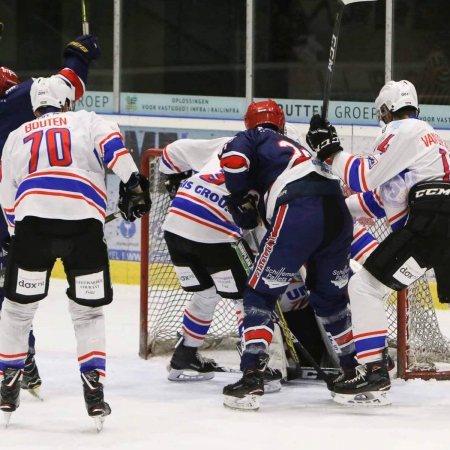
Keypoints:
pixel 222 369
pixel 113 216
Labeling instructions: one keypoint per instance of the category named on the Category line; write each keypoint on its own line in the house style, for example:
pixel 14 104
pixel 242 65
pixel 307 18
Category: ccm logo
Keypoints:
pixel 435 191
pixel 407 273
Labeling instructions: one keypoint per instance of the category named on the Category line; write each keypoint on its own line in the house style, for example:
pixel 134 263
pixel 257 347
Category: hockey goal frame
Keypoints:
pixel 401 299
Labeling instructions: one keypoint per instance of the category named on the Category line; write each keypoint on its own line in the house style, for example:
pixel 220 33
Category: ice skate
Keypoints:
pixel 187 364
pixel 272 377
pixel 31 380
pixel 346 374
pixel 244 395
pixel 272 380
pixel 369 387
pixel 96 406
pixel 10 392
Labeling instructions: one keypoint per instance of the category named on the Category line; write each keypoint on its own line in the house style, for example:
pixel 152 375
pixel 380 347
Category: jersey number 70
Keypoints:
pixel 58 147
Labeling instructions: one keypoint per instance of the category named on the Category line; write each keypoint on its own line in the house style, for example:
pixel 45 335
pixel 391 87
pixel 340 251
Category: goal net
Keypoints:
pixel 422 350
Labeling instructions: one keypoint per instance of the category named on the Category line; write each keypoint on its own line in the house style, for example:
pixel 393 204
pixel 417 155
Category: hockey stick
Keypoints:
pixel 247 264
pixel 112 216
pixel 85 23
pixel 333 51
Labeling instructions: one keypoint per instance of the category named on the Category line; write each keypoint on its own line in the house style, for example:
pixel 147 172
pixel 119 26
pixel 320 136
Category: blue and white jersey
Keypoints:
pixel 406 152
pixel 265 161
pixel 198 210
pixel 53 167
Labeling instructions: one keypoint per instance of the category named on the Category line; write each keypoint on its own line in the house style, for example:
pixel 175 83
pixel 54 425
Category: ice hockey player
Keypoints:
pixel 410 168
pixel 15 110
pixel 201 238
pixel 54 195
pixel 308 223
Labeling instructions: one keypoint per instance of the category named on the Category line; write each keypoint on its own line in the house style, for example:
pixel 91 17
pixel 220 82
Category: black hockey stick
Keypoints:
pixel 287 334
pixel 333 51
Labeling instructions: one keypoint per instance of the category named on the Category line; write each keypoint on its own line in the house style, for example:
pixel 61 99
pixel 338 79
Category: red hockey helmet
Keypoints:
pixel 8 79
pixel 264 112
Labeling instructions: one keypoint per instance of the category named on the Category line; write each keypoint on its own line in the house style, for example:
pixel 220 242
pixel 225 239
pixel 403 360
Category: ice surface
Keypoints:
pixel 149 412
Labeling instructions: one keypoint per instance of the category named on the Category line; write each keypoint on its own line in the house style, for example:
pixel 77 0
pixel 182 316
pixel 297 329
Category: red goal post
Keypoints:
pixel 422 350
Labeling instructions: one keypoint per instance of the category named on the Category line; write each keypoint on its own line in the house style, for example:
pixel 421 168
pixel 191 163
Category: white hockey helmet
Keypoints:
pixel 52 91
pixel 393 96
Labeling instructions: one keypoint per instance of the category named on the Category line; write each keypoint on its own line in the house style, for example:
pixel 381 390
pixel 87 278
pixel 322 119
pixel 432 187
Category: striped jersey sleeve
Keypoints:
pixel 366 204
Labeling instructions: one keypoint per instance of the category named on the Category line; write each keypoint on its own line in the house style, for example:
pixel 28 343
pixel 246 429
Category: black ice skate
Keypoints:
pixel 96 406
pixel 272 377
pixel 368 387
pixel 272 380
pixel 31 380
pixel 10 392
pixel 187 364
pixel 346 374
pixel 244 394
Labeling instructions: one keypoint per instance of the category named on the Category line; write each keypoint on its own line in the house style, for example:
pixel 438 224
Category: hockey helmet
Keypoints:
pixel 8 79
pixel 263 112
pixel 52 91
pixel 393 96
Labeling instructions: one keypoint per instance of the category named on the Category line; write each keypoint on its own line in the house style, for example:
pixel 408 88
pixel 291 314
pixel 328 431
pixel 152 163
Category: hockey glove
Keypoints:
pixel 134 205
pixel 85 47
pixel 173 182
pixel 243 211
pixel 322 138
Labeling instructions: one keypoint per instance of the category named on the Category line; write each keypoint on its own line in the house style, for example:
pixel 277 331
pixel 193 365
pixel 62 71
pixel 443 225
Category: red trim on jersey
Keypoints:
pixel 371 333
pixel 206 224
pixel 60 194
pixel 67 175
pixel 117 155
pixel 192 197
pixel 363 205
pixel 166 156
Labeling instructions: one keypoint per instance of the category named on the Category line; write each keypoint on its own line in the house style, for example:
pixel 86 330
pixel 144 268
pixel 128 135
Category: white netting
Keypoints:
pixel 166 299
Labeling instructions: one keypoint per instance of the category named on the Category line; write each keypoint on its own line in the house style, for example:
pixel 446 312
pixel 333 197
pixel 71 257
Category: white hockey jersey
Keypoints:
pixel 53 167
pixel 190 154
pixel 198 210
pixel 406 152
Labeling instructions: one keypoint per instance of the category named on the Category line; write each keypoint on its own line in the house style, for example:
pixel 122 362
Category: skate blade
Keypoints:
pixel 36 393
pixel 248 403
pixel 99 422
pixel 271 387
pixel 7 416
pixel 188 375
pixel 363 399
